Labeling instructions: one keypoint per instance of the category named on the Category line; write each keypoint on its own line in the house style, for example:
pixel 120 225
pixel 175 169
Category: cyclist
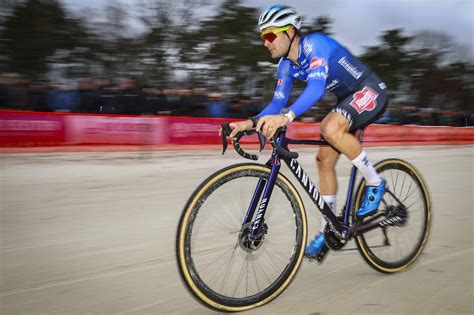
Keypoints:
pixel 324 65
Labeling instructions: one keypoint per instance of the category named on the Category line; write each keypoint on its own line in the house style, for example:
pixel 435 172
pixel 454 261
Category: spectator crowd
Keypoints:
pixel 104 96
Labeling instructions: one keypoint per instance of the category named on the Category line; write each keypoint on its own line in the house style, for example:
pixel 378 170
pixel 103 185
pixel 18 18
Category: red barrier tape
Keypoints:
pixel 34 129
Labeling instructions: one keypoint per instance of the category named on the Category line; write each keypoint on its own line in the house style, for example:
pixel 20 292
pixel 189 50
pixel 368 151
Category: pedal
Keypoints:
pixel 322 254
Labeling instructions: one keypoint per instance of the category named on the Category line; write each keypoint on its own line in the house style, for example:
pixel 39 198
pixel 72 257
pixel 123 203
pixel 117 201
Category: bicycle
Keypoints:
pixel 233 249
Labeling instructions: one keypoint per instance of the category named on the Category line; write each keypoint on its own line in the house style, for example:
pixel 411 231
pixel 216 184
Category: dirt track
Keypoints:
pixel 95 233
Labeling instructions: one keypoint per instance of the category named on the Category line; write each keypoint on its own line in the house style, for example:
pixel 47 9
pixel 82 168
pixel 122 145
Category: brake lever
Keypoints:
pixel 226 131
pixel 262 140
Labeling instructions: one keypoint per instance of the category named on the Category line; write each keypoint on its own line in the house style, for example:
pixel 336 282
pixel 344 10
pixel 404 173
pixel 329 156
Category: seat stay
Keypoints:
pixel 349 199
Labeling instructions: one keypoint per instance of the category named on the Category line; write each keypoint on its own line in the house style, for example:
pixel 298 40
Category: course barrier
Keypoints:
pixel 37 129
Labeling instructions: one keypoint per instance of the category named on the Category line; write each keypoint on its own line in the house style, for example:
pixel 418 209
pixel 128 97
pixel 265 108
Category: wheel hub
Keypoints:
pixel 395 216
pixel 252 244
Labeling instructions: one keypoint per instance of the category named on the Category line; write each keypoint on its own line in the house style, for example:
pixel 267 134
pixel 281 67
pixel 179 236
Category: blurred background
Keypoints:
pixel 204 58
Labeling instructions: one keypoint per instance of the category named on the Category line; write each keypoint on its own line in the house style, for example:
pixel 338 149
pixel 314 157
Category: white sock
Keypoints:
pixel 363 164
pixel 331 201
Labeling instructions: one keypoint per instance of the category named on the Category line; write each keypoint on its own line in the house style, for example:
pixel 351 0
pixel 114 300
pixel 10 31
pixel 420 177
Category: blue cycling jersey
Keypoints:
pixel 324 65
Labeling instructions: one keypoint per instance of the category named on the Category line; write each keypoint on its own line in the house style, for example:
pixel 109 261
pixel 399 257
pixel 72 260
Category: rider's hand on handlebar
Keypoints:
pixel 269 124
pixel 238 126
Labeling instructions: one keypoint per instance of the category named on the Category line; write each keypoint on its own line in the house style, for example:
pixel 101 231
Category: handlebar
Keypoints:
pixel 281 150
pixel 226 131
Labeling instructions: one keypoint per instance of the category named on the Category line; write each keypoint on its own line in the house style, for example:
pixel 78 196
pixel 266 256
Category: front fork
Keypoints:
pixel 266 187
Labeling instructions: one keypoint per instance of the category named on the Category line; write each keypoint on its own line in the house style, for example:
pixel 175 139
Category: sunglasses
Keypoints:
pixel 271 35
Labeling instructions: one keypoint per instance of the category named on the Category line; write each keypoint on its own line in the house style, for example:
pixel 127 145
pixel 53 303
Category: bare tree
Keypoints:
pixel 165 21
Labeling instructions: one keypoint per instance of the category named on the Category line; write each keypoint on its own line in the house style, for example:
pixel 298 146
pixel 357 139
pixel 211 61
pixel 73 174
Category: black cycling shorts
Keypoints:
pixel 365 105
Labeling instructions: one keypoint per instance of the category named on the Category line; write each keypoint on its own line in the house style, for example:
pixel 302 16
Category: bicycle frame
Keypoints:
pixel 266 187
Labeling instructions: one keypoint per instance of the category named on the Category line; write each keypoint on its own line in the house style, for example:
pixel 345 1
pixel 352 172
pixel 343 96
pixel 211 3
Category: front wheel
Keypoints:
pixel 218 263
pixel 405 213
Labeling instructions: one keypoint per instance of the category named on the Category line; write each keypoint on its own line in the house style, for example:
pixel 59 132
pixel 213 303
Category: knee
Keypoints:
pixel 331 131
pixel 325 161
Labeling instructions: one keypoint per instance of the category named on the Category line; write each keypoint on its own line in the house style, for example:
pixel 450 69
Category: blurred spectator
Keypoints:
pixel 18 92
pixel 4 82
pixel 185 103
pixel 216 107
pixel 250 107
pixel 64 98
pixel 108 99
pixel 469 119
pixel 102 96
pixel 39 96
pixel 153 100
pixel 89 96
pixel 241 108
pixel 129 98
pixel 172 101
pixel 198 101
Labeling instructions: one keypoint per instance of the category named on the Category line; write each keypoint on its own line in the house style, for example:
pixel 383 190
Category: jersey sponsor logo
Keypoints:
pixel 364 100
pixel 332 85
pixel 279 95
pixel 349 67
pixel 316 62
pixel 318 74
pixel 307 46
pixel 382 85
pixel 280 82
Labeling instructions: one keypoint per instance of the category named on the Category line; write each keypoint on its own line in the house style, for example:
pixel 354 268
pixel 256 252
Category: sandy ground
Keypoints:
pixel 95 233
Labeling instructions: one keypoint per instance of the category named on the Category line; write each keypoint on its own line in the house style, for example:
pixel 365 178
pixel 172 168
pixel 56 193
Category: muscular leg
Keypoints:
pixel 326 161
pixel 334 129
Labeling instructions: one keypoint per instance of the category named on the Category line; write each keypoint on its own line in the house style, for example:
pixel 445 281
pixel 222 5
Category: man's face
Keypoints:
pixel 279 46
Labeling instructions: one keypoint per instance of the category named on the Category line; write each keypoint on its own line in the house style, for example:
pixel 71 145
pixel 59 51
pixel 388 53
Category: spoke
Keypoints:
pixel 241 273
pixel 213 261
pixel 247 283
pixel 409 188
pixel 403 184
pixel 237 207
pixel 256 278
pixel 262 270
pixel 391 177
pixel 396 181
pixel 229 229
pixel 221 267
pixel 394 188
pixel 408 195
pixel 277 256
pixel 272 261
pixel 413 203
pixel 228 269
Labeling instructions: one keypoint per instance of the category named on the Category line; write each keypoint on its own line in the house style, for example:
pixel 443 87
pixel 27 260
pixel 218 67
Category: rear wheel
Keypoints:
pixel 406 216
pixel 219 264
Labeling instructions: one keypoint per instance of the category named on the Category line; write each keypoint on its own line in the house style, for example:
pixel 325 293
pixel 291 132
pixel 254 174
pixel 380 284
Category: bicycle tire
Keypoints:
pixel 372 254
pixel 184 251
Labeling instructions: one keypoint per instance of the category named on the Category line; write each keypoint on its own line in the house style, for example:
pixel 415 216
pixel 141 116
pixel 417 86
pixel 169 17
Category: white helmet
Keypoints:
pixel 278 16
